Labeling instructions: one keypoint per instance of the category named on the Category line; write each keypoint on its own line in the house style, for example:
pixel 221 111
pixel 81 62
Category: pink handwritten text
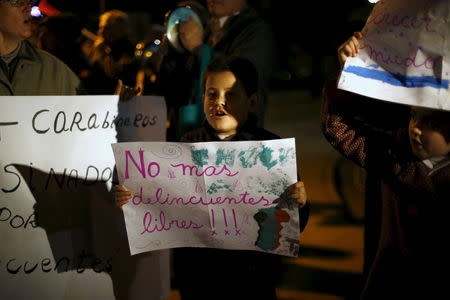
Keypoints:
pixel 412 61
pixel 401 21
pixel 151 224
pixel 382 15
pixel 152 169
pixel 208 171
pixel 166 199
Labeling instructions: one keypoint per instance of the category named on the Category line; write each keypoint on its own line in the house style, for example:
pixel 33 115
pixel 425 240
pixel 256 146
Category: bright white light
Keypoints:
pixel 157 42
pixel 36 12
pixel 373 1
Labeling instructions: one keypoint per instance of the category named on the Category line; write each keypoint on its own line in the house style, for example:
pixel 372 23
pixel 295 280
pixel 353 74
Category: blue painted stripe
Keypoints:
pixel 399 79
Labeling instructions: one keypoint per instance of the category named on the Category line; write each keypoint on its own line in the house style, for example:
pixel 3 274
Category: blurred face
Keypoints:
pixel 103 29
pixel 222 8
pixel 225 103
pixel 15 20
pixel 111 29
pixel 425 141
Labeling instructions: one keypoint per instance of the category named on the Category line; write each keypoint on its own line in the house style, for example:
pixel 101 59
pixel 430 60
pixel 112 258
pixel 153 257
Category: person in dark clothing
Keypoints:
pixel 413 163
pixel 234 28
pixel 202 273
pixel 24 69
pixel 60 35
pixel 395 116
pixel 112 57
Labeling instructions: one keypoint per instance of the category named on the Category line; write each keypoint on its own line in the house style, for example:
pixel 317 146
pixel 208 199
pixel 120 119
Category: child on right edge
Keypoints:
pixel 414 164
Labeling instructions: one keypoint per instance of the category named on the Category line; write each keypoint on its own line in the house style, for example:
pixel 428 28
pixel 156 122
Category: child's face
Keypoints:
pixel 225 103
pixel 425 141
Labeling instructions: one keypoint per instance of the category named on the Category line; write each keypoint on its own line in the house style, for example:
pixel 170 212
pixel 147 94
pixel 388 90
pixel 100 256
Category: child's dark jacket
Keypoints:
pixel 204 273
pixel 414 226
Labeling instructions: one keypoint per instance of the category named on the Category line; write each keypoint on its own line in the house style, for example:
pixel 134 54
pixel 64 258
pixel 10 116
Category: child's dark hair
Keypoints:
pixel 242 68
pixel 441 123
pixel 438 120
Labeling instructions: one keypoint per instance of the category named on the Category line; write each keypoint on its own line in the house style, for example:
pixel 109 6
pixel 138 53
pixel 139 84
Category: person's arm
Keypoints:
pixel 343 113
pixel 339 129
pixel 255 41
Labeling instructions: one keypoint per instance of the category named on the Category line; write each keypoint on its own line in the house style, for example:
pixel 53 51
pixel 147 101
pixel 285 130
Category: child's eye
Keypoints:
pixel 211 95
pixel 230 94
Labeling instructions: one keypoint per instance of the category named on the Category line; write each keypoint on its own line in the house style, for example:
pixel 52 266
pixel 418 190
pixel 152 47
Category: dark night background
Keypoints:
pixel 308 32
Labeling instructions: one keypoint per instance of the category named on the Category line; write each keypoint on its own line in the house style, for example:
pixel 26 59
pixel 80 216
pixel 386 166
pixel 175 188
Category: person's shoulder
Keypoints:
pixel 50 61
pixel 49 58
pixel 46 59
pixel 251 19
pixel 252 14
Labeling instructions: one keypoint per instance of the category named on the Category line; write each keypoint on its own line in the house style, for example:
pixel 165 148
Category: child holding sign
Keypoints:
pixel 230 86
pixel 414 165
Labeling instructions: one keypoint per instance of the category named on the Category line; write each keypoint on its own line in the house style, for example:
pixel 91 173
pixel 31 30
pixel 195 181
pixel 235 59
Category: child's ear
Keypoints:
pixel 253 101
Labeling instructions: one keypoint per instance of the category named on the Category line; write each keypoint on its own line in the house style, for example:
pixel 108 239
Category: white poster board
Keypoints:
pixel 59 229
pixel 404 55
pixel 214 194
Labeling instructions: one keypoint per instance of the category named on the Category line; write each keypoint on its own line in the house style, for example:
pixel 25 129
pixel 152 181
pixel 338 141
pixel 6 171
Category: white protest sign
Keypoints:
pixel 404 55
pixel 214 194
pixel 58 229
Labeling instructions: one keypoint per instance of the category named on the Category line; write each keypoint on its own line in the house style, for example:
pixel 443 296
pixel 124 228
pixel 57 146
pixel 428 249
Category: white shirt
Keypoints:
pixel 436 163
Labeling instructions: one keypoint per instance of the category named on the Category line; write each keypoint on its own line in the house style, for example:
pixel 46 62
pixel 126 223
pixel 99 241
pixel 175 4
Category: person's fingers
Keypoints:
pixel 295 195
pixel 120 187
pixel 297 191
pixel 119 87
pixel 123 193
pixel 350 48
pixel 300 199
pixel 119 204
pixel 354 44
pixel 303 198
pixel 344 51
pixel 125 92
pixel 342 57
pixel 122 197
pixel 297 185
pixel 292 190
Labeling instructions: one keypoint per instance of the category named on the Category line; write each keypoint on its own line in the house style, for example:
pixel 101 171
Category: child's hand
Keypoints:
pixel 122 196
pixel 297 192
pixel 125 92
pixel 294 195
pixel 349 48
